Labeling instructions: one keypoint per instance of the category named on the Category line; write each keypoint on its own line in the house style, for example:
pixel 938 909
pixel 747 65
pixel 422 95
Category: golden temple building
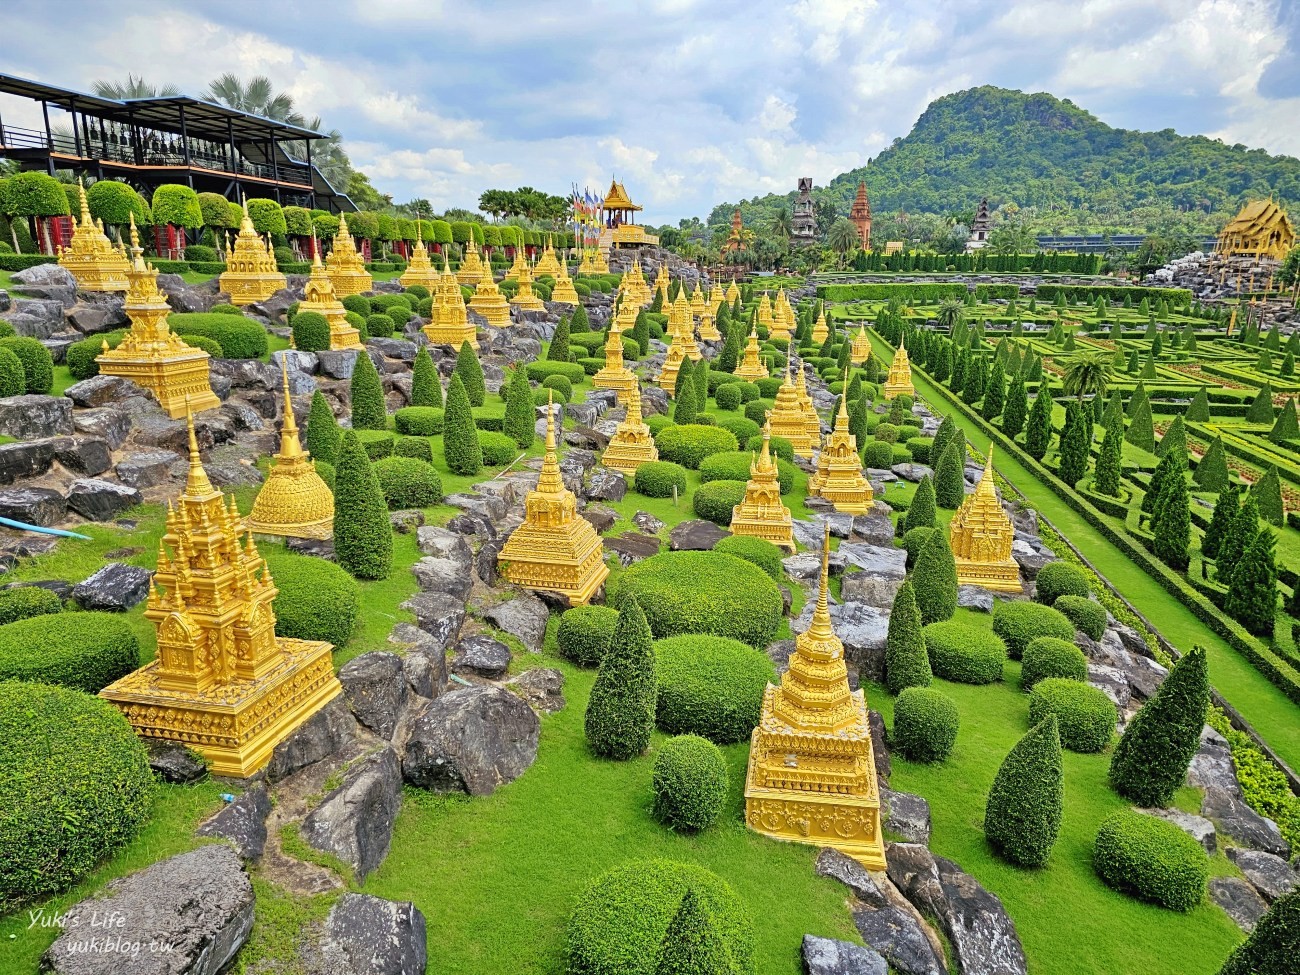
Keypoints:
pixel 472 267
pixel 91 257
pixel 672 366
pixel 547 263
pixel 632 444
pixel 318 296
pixel 524 298
pixel 564 291
pixel 662 281
pixel 520 263
pixel 586 265
pixel 681 326
pixel 782 317
pixel 621 229
pixel 813 421
pixel 598 262
pixel 899 380
pixel 346 269
pixel 151 354
pixel 751 367
pixel 448 323
pixel 981 535
pixel 698 304
pixel 1261 230
pixel 788 419
pixel 489 302
pixel 733 293
pixel 223 683
pixel 839 477
pixel 420 270
pixel 716 298
pixel 761 514
pixel 294 502
pixel 615 374
pixel 765 318
pixel 708 330
pixel 820 330
pixel 860 347
pixel 555 549
pixel 251 273
pixel 633 286
pixel 811 776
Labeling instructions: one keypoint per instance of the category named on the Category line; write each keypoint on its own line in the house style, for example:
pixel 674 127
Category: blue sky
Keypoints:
pixel 688 102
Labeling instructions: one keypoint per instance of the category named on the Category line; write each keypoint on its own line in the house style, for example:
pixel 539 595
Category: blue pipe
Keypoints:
pixel 23 526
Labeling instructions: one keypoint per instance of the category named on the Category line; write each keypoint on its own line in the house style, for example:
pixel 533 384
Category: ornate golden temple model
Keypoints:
pixel 632 444
pixel 564 291
pixel 251 274
pixel 812 775
pixel 555 548
pixel 524 298
pixel 346 269
pixel 860 347
pixel 448 323
pixel 621 229
pixel 1260 230
pixel 839 477
pixel 788 418
pixel 489 302
pixel 615 374
pixel 223 683
pixel 472 267
pixel 899 380
pixel 751 367
pixel 294 502
pixel 91 257
pixel 421 270
pixel 760 513
pixel 318 296
pixel 981 535
pixel 151 354
pixel 547 263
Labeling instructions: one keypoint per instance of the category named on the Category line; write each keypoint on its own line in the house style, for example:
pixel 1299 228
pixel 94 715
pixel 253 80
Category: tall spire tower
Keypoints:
pixel 860 214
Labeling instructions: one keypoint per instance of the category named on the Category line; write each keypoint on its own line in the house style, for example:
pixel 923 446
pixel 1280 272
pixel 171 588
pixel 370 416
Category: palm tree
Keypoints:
pixel 1088 373
pixel 951 314
pixel 781 225
pixel 257 97
pixel 133 87
pixel 843 239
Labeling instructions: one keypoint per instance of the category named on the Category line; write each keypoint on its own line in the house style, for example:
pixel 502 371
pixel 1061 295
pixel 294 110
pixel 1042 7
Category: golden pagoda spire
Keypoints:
pixel 981 536
pixel 345 266
pixel 751 367
pixel 197 485
pixel 839 478
pixel 251 273
pixel 899 380
pixel 290 445
pixel 90 256
pixel 860 347
pixel 550 481
pixel 761 514
pixel 788 418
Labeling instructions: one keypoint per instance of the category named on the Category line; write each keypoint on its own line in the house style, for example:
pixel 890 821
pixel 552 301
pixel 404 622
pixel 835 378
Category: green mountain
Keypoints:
pixel 1068 171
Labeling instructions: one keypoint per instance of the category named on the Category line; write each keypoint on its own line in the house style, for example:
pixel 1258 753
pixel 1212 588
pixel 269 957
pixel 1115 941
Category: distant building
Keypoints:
pixel 860 215
pixel 803 219
pixel 734 241
pixel 1261 229
pixel 979 228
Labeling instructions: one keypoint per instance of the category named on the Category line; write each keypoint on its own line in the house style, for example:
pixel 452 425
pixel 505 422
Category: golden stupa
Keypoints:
pixel 91 257
pixel 860 347
pixel 981 535
pixel 223 683
pixel 632 444
pixel 598 262
pixel 812 775
pixel 318 296
pixel 489 302
pixel 782 317
pixel 555 548
pixel 820 329
pixel 586 266
pixel 294 502
pixel 839 477
pixel 251 274
pixel 662 281
pixel 449 325
pixel 733 293
pixel 472 267
pixel 346 269
pixel 813 421
pixel 698 304
pixel 899 381
pixel 681 325
pixel 421 270
pixel 751 367
pixel 615 374
pixel 672 366
pixel 151 354
pixel 520 263
pixel 788 420
pixel 761 514
pixel 632 286
pixel 708 329
pixel 716 298
pixel 765 313
pixel 524 298
pixel 547 263
pixel 564 291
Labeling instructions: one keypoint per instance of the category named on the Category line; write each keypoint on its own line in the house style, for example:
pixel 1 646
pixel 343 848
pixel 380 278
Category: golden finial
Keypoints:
pixel 85 204
pixel 821 622
pixel 315 250
pixel 197 484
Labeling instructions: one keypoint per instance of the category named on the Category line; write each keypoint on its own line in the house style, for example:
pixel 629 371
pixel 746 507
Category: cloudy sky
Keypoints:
pixel 689 102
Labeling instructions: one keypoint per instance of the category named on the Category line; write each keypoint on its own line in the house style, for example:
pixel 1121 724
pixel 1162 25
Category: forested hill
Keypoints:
pixel 1041 152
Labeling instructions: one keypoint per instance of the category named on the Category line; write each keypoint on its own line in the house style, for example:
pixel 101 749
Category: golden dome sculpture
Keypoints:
pixel 632 286
pixel 899 380
pixel 733 293
pixel 632 444
pixel 489 302
pixel 598 262
pixel 751 367
pixel 698 304
pixel 251 273
pixel 788 419
pixel 682 327
pixel 318 296
pixel 222 683
pixel 662 281
pixel 524 298
pixel 471 268
pixel 811 776
pixel 420 270
pixel 346 269
pixel 761 514
pixel 820 330
pixel 981 535
pixel 765 318
pixel 839 478
pixel 294 502
pixel 90 256
pixel 520 263
pixel 586 266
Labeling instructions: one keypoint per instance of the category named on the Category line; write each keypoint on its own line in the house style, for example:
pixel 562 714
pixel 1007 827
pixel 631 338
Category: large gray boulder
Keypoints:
pixel 907 815
pixel 880 561
pixel 1270 875
pixel 826 956
pixel 34 506
pixel 242 823
pixel 199 904
pixel 115 587
pixel 443 544
pixel 366 935
pixel 354 822
pixel 471 740
pixel 31 417
pixel 524 617
pixel 695 536
pixel 443 575
pixel 898 933
pixel 482 656
pixel 1237 820
pixel 99 500
pixel 852 874
pixel 146 469
pixel 106 422
pixel 101 391
pixel 25 459
pixel 439 614
pixel 424 660
pixel 327 731
pixel 376 690
pixel 1239 900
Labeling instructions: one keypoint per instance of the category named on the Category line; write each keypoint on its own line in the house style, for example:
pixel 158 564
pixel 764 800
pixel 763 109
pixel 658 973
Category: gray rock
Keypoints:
pixel 101 391
pixel 324 733
pixel 481 655
pixel 1146 676
pixel 337 364
pixel 877 560
pixel 376 690
pixel 1197 827
pixel 912 472
pixel 424 663
pixel 599 517
pixel 869 588
pixel 296 360
pixel 38 318
pixel 632 547
pixel 199 904
pixel 486 566
pixel 908 815
pixel 443 544
pixel 47 275
pixel 879 745
pixel 853 875
pixel 366 935
pixel 20 461
pixel 807 566
pixel 32 417
pixel 825 956
pixel 874 528
pixel 243 823
pixel 1239 901
pixel 1270 875
pixel 1238 821
pixel 471 740
pixel 440 615
pixel 355 821
pixel 146 469
pixel 695 536
pixel 1030 561
pixel 444 575
pixel 647 522
pixel 486 506
pixel 405 522
pixel 914 871
pixel 1113 682
pixel 524 617
pixel 542 687
pixel 1211 766
pixel 98 500
pixel 117 586
pixel 899 935
pixel 975 597
pixel 109 424
pixel 175 763
pixel 607 485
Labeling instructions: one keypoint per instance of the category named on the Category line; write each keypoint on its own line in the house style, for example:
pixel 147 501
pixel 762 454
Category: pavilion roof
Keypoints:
pixel 617 198
pixel 1256 216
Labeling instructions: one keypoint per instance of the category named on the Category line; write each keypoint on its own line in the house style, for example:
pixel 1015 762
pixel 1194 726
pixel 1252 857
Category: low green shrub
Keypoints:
pixel 498 448
pixel 377 443
pixel 1084 613
pixel 690 783
pixel 538 371
pixel 418 447
pixel 734 465
pixel 311 332
pixel 657 478
pixel 356 304
pixel 38 364
pixel 1152 859
pixel 925 723
pixel 1019 622
pixel 408 483
pixel 84 651
pixel 1049 656
pixel 878 455
pixel 761 552
pixel 919 448
pixel 13 380
pixel 779 447
pixel 541 397
pixel 24 602
pixel 560 384
pixel 223 308
pixel 239 338
pixel 1060 579
pixel 963 653
pixel 728 398
pixel 210 346
pixel 710 686
pixel 318 600
pixel 380 326
pixel 714 501
pixel 742 428
pixel 689 443
pixel 584 633
pixel 1085 715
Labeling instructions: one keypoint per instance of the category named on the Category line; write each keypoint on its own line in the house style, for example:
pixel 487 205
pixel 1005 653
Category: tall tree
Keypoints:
pixel 1038 431
pixel 1171 523
pixel 1076 441
pixel 133 87
pixel 1252 595
pixel 1109 460
pixel 621 710
pixel 1087 374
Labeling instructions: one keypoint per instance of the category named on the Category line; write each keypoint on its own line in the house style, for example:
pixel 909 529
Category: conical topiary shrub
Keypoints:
pixel 1274 945
pixel 460 444
pixel 906 662
pixel 1023 814
pixel 621 710
pixel 363 535
pixel 520 423
pixel 426 387
pixel 368 409
pixel 470 372
pixel 935 580
pixel 323 432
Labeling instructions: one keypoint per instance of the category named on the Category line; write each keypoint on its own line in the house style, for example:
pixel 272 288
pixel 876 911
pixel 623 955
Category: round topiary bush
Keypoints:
pixel 1049 656
pixel 689 443
pixel 1151 859
pixel 878 455
pixel 963 653
pixel 728 398
pixel 356 304
pixel 761 552
pixel 925 723
pixel 408 483
pixel 560 384
pixel 690 783
pixel 742 428
pixel 419 421
pixel 84 651
pixel 779 447
pixel 1019 622
pixel 38 364
pixel 768 385
pixel 318 600
pixel 418 447
pixel 210 346
pixel 621 918
pixel 714 501
pixel 498 448
pixel 1058 579
pixel 733 465
pixel 657 478
pixel 239 338
pixel 710 686
pixel 377 443
pixel 25 602
pixel 1086 615
pixel 380 326
pixel 77 785
pixel 311 332
pixel 887 433
pixel 705 592
pixel 13 380
pixel 1085 715
pixel 584 633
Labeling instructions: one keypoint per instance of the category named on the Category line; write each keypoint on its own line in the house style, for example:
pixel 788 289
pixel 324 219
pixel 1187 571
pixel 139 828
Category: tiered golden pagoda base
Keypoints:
pixel 453 336
pixel 860 350
pixel 627 455
pixel 894 390
pixel 751 371
pixel 820 331
pixel 96 276
pixel 568 562
pixel 794 429
pixel 847 499
pixel 564 291
pixel 424 275
pixel 493 307
pixel 344 336
pixel 528 302
pixel 708 330
pixel 349 282
pixel 777 529
pixel 246 288
pixel 668 374
pixel 179 383
pixel 235 726
pixel 996 576
pixel 622 380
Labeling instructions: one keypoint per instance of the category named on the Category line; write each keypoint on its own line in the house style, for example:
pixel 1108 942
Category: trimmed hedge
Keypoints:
pixel 705 592
pixel 498 448
pixel 1023 815
pixel 710 686
pixel 572 371
pixel 1018 623
pixel 761 552
pixel 925 724
pixel 689 443
pixel 311 332
pixel 13 379
pixel 584 633
pixel 419 421
pixel 317 600
pixel 657 478
pixel 408 483
pixel 24 602
pixel 378 443
pixel 963 653
pixel 621 918
pixel 690 783
pixel 1085 614
pixel 1058 579
pixel 38 364
pixel 714 501
pixel 239 338
pixel 1048 656
pixel 1274 945
pixel 734 466
pixel 84 651
pixel 1085 715
pixel 77 786
pixel 742 428
pixel 1152 859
